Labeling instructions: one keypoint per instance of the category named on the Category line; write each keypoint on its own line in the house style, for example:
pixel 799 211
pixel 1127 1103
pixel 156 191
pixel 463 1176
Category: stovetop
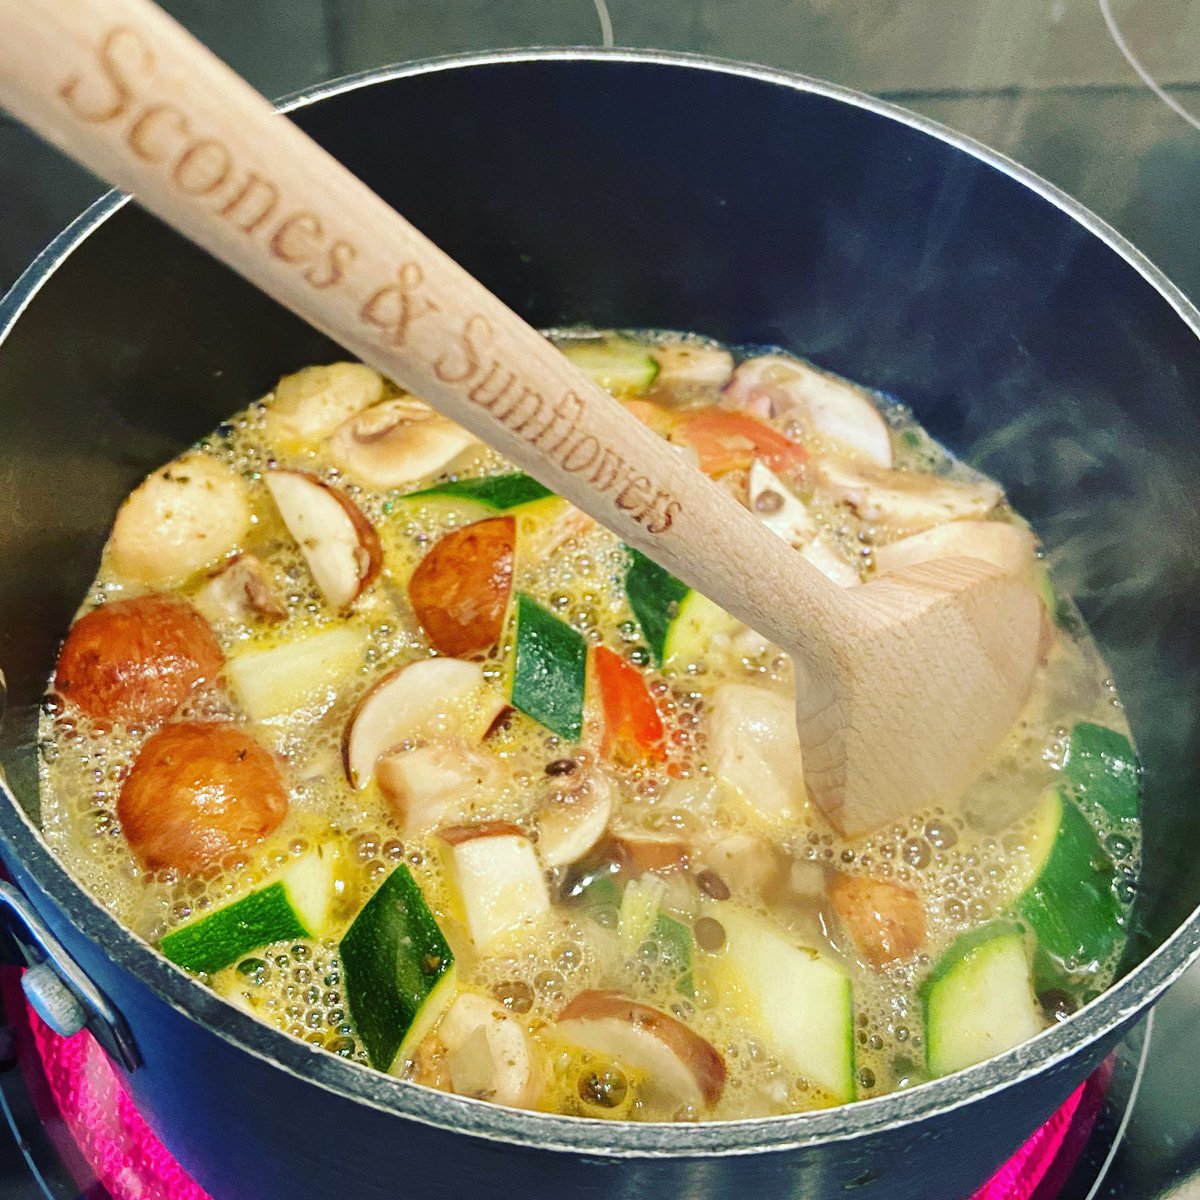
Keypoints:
pixel 1100 96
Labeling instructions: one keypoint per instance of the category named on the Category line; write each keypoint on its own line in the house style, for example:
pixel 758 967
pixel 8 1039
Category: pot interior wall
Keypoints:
pixel 640 194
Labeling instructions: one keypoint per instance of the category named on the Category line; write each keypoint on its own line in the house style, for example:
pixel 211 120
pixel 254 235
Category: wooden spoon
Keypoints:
pixel 904 686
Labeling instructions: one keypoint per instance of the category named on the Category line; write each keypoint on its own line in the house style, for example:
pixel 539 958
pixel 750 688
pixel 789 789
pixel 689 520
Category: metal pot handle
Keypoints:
pixel 55 986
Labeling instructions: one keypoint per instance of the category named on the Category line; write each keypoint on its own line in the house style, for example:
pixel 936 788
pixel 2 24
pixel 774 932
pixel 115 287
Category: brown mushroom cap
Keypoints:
pixel 137 660
pixel 197 792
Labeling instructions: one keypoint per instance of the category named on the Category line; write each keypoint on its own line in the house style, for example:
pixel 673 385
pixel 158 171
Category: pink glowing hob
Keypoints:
pixel 132 1164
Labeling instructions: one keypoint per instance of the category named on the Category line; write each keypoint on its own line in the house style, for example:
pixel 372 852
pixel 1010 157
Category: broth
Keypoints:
pixel 595 794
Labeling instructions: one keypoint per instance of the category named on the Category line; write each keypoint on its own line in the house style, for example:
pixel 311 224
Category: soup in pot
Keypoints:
pixel 405 756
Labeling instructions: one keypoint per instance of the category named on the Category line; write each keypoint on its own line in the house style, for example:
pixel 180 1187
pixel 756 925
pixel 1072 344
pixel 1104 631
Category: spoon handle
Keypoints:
pixel 127 91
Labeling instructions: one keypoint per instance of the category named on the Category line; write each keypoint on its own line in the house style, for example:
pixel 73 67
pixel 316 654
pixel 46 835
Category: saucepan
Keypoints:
pixel 620 189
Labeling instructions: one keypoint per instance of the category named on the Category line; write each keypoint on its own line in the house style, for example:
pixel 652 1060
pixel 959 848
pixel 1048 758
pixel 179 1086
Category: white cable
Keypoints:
pixel 606 30
pixel 1144 75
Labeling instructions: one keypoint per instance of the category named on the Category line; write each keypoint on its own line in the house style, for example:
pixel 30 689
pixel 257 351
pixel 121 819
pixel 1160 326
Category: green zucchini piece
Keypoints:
pixel 690 635
pixel 979 1001
pixel 497 492
pixel 655 596
pixel 801 1001
pixel 1103 770
pixel 1071 905
pixel 600 898
pixel 295 906
pixel 399 969
pixel 550 672
pixel 618 365
pixel 676 949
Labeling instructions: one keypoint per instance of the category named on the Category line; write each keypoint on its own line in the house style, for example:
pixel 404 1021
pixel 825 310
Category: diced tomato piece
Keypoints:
pixel 633 728
pixel 731 441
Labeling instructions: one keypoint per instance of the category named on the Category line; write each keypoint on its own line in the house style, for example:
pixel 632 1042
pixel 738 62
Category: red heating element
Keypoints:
pixel 131 1163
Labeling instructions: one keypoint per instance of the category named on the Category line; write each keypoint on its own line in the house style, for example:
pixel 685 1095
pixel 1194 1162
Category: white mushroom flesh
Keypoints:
pixel 309 405
pixel 827 408
pixel 432 698
pixel 691 372
pixel 574 817
pixel 423 783
pixel 489 1054
pixel 787 515
pixel 243 591
pixel 904 501
pixel 397 442
pixel 181 520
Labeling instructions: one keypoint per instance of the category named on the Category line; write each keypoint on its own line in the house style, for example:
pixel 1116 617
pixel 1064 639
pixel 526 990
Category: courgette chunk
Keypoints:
pixel 801 1001
pixel 1071 904
pixel 678 623
pixel 295 906
pixel 655 596
pixel 979 1001
pixel 400 971
pixel 618 365
pixel 696 625
pixel 551 670
pixel 500 493
pixel 1103 770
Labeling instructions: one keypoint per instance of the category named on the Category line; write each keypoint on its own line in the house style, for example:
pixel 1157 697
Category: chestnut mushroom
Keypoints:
pixel 460 589
pixel 137 660
pixel 196 792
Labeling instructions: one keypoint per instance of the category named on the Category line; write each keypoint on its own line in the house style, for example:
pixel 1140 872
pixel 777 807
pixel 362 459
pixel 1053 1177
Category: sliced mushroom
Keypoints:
pixel 1012 548
pixel 690 372
pixel 681 1067
pixel 243 591
pixel 885 920
pixel 640 851
pixel 339 544
pixel 906 501
pixel 573 818
pixel 788 516
pixel 825 406
pixel 312 403
pixel 459 591
pixel 488 1053
pixel 397 442
pixel 421 782
pixel 497 876
pixel 778 509
pixel 432 698
pixel 755 751
pixel 181 520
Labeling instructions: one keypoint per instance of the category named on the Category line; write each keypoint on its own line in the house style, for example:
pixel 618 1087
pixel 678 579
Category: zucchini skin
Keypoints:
pixel 393 956
pixel 551 670
pixel 1071 905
